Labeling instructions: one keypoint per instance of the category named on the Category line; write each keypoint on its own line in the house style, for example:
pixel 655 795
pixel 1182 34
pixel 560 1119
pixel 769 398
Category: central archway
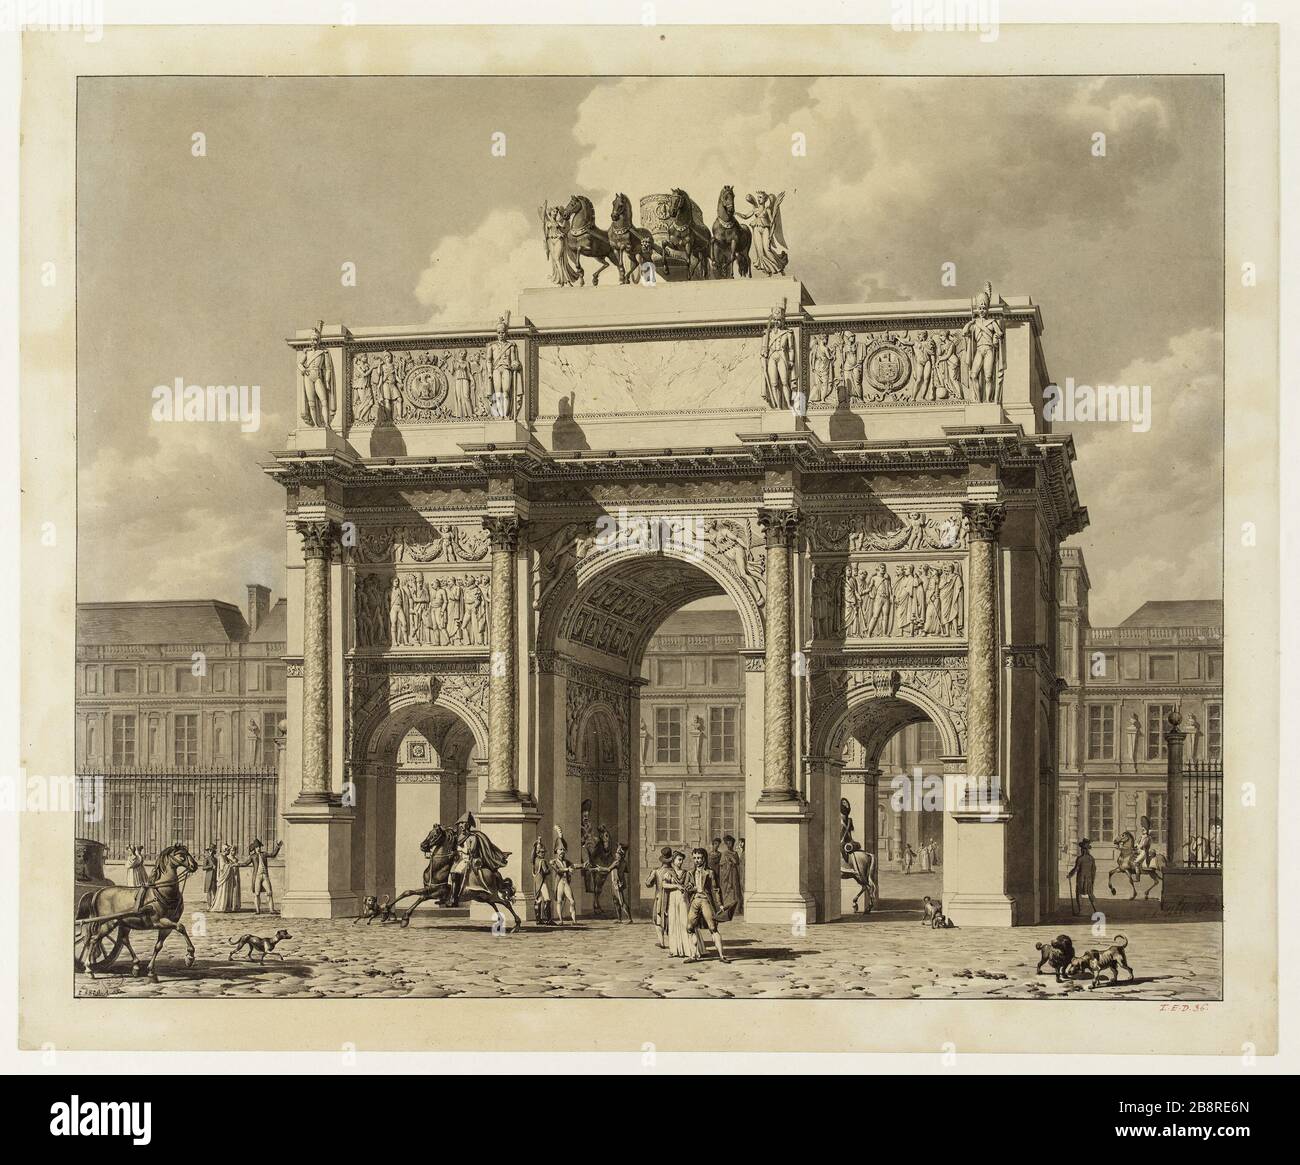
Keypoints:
pixel 594 628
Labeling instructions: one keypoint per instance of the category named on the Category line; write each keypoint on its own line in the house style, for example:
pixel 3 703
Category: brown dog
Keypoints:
pixel 1056 954
pixel 264 946
pixel 1111 959
pixel 372 908
pixel 935 918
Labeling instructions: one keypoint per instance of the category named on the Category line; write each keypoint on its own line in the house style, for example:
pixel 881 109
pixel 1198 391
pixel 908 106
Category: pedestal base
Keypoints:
pixel 981 910
pixel 1191 891
pixel 975 884
pixel 318 862
pixel 779 895
pixel 512 826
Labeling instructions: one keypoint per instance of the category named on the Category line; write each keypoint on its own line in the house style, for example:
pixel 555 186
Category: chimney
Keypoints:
pixel 259 602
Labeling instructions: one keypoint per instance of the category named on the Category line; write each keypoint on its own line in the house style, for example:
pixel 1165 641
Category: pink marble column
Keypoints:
pixel 781 528
pixel 318 538
pixel 982 650
pixel 502 778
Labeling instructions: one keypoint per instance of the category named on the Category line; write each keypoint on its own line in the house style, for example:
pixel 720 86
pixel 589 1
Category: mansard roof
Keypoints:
pixel 1177 613
pixel 161 621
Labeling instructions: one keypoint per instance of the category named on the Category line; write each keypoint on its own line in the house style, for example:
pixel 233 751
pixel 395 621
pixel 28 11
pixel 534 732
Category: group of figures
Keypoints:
pixel 439 384
pixel 871 601
pixel 677 239
pixel 221 864
pixel 886 367
pixel 553 878
pixel 694 895
pixel 419 609
pixel 882 529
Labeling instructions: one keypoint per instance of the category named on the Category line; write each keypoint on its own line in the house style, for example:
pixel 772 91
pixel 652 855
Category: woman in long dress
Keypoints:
pixel 227 900
pixel 681 943
pixel 135 864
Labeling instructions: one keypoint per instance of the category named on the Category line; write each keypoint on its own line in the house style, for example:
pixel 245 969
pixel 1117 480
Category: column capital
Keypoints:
pixel 985 519
pixel 504 531
pixel 318 537
pixel 781 526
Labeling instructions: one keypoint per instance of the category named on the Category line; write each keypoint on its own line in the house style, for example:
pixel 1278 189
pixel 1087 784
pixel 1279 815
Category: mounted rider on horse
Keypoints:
pixel 475 851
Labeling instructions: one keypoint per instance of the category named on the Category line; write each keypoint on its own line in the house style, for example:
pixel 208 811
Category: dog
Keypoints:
pixel 935 918
pixel 1111 959
pixel 264 946
pixel 372 908
pixel 1057 954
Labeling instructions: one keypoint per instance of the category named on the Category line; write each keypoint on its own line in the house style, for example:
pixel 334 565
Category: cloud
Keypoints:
pixel 170 516
pixel 477 276
pixel 1156 498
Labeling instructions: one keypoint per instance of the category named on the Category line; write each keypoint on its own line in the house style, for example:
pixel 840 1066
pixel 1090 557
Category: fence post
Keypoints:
pixel 1174 790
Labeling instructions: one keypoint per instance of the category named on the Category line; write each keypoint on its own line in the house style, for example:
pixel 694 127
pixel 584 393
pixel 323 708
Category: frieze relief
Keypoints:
pixel 444 542
pixel 425 385
pixel 426 609
pixel 881 529
pixel 877 600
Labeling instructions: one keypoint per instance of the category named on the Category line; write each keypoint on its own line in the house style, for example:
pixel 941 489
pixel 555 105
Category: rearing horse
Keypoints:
pixel 1126 862
pixel 687 235
pixel 157 905
pixel 731 239
pixel 440 848
pixel 587 238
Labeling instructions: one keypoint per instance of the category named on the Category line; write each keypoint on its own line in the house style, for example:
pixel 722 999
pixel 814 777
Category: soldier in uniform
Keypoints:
pixel 474 851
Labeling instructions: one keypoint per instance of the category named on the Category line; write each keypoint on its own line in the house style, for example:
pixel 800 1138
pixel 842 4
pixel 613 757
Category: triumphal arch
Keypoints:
pixel 486 523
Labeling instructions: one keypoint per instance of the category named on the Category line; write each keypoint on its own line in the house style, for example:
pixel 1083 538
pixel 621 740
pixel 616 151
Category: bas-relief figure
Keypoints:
pixel 426 385
pixel 879 600
pixel 422 609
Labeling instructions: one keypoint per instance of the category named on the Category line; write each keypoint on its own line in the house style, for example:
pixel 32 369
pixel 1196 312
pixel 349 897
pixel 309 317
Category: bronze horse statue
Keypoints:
pixel 106 917
pixel 628 242
pixel 1126 863
pixel 688 237
pixel 861 867
pixel 440 848
pixel 588 239
pixel 731 239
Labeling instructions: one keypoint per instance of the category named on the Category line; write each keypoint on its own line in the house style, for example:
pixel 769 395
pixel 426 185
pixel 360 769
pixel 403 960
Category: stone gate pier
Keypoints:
pixel 486 523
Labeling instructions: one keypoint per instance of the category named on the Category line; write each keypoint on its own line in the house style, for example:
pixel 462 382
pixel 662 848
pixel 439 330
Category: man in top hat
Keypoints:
pixel 474 850
pixel 656 879
pixel 260 872
pixel 1084 871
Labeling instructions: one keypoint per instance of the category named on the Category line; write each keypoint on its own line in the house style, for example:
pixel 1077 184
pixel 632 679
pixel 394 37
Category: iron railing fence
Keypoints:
pixel 157 808
pixel 1203 814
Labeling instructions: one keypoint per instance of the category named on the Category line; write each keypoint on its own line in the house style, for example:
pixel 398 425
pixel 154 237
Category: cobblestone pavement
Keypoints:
pixel 888 955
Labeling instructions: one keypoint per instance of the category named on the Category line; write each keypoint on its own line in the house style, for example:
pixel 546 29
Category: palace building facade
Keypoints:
pixel 179 711
pixel 1120 686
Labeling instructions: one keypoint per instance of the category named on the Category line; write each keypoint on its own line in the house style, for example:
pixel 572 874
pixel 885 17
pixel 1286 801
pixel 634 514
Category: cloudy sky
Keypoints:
pixel 197 267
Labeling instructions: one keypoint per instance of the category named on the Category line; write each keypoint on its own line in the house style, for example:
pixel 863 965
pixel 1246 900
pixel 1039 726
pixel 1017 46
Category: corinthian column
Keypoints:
pixel 781 528
pixel 982 649
pixel 502 783
pixel 317 545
